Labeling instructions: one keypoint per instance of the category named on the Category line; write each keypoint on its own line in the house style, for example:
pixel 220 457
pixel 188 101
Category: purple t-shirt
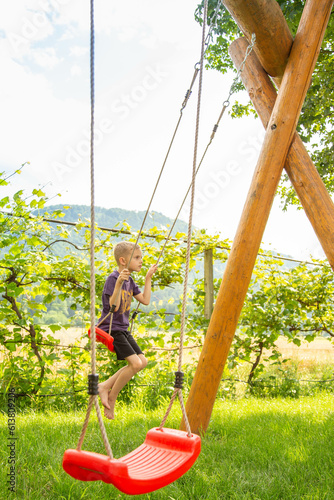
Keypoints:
pixel 120 320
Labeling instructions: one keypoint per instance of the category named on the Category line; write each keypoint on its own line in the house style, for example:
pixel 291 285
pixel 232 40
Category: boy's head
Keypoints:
pixel 123 250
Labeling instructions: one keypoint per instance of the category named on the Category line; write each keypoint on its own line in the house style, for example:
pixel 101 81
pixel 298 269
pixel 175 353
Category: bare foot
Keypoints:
pixel 109 412
pixel 103 393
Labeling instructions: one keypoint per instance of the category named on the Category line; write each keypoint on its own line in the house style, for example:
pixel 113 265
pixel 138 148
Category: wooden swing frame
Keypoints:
pixel 290 63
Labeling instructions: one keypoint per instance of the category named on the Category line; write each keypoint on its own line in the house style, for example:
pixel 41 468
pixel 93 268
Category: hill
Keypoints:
pixel 113 218
pixel 110 217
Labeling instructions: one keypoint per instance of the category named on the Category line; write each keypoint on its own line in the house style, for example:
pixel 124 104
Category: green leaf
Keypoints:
pixel 54 328
pixel 11 346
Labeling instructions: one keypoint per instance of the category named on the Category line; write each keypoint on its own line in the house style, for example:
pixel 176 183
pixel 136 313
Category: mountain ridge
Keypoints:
pixel 111 217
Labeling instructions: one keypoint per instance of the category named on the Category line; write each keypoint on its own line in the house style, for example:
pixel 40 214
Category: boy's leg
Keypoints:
pixel 143 361
pixel 135 364
pixel 104 387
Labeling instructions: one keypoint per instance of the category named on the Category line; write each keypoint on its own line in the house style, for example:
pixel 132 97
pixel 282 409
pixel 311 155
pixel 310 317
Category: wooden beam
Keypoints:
pixel 273 37
pixel 240 264
pixel 303 175
pixel 302 172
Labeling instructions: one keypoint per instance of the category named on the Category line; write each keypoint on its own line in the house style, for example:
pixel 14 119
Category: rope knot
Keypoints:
pixel 178 384
pixel 93 382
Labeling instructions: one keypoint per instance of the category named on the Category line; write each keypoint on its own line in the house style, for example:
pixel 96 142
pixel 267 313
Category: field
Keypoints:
pixel 254 450
pixel 318 351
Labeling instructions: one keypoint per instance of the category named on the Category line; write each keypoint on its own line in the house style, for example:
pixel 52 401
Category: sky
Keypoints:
pixel 145 54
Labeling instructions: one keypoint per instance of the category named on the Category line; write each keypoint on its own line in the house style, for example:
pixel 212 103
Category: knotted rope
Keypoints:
pixel 93 378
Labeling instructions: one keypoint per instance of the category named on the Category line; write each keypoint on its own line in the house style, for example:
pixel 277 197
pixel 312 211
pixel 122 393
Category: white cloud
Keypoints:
pixel 147 21
pixel 46 58
pixel 128 33
pixel 78 51
pixel 76 70
pixel 25 28
pixel 68 34
pixel 35 124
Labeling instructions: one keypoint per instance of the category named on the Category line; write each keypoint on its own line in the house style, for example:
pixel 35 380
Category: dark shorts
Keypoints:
pixel 124 344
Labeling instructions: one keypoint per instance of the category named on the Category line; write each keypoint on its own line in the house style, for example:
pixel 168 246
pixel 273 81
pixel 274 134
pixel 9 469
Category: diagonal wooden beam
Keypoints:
pixel 238 271
pixel 302 172
pixel 274 42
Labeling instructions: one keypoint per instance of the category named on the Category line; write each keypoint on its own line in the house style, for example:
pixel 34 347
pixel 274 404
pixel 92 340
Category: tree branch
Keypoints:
pixel 13 304
pixel 64 241
pixel 255 364
pixel 40 360
pixel 55 279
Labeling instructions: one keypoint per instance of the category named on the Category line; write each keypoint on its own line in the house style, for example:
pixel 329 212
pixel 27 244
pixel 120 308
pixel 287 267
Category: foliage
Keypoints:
pixel 292 302
pixel 295 302
pixel 316 124
pixel 35 275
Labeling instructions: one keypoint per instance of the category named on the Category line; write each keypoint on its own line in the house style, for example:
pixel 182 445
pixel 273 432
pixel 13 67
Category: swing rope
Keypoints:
pixel 179 374
pixel 92 183
pixel 184 104
pixel 93 377
pixel 226 104
pixel 198 66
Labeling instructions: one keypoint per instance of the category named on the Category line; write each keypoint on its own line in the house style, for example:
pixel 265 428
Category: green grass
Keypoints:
pixel 254 449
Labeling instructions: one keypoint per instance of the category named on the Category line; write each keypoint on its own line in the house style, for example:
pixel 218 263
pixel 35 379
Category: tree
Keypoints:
pixel 295 302
pixel 317 118
pixel 291 302
pixel 35 272
pixel 31 277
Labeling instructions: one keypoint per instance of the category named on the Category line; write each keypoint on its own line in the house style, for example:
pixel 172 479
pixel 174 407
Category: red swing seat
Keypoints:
pixel 104 337
pixel 165 455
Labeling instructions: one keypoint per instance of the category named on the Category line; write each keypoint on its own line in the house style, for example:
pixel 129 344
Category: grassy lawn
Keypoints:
pixel 254 449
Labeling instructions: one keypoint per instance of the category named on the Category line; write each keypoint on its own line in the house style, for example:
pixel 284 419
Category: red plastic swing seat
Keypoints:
pixel 165 455
pixel 104 337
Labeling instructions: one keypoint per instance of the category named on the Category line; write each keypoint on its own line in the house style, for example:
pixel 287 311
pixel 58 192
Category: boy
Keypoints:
pixel 118 290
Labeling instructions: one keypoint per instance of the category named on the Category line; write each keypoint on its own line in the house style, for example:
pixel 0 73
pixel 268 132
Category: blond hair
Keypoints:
pixel 123 249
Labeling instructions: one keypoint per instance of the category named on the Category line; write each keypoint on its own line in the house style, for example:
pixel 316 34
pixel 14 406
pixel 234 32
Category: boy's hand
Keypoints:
pixel 151 271
pixel 124 275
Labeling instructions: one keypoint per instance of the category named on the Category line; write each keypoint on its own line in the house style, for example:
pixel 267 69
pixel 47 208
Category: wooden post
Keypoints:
pixel 208 282
pixel 237 275
pixel 303 174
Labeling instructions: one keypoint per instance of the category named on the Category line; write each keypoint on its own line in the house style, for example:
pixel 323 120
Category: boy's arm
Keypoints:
pixel 115 298
pixel 145 296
